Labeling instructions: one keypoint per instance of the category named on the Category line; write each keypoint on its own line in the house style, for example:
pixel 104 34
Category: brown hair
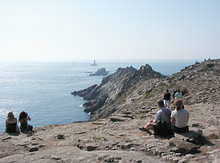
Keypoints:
pixel 11 115
pixel 160 103
pixel 179 104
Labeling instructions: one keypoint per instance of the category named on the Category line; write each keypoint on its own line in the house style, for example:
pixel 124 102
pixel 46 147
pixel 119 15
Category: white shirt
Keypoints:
pixel 181 118
pixel 163 115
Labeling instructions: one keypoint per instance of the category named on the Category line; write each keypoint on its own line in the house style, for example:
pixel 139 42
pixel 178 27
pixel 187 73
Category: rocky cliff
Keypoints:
pixel 112 88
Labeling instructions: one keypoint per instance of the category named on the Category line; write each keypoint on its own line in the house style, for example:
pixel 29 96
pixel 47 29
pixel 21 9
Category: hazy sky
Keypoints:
pixel 116 30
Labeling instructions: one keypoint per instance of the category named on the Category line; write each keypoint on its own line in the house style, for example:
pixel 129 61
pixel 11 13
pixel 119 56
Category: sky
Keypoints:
pixel 109 30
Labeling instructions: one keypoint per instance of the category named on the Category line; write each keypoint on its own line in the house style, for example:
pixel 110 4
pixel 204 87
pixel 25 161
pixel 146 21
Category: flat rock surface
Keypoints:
pixel 105 140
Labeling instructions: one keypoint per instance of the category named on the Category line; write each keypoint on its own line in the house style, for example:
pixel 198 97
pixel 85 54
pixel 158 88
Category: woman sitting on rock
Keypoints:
pixel 180 118
pixel 23 119
pixel 11 123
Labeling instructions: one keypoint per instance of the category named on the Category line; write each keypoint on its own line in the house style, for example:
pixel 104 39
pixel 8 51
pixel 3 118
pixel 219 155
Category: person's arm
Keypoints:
pixel 28 118
pixel 157 117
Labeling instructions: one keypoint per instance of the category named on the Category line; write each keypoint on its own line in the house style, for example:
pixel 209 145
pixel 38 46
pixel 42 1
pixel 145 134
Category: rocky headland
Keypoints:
pixel 123 102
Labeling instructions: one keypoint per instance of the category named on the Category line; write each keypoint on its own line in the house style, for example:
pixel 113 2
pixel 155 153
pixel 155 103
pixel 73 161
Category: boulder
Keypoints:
pixel 100 72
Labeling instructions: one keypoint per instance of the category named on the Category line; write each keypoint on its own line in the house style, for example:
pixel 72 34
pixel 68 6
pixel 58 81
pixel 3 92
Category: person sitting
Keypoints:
pixel 23 119
pixel 11 123
pixel 178 94
pixel 161 120
pixel 180 118
pixel 167 98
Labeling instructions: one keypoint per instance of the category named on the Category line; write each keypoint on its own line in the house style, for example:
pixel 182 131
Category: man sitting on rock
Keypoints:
pixel 180 118
pixel 162 118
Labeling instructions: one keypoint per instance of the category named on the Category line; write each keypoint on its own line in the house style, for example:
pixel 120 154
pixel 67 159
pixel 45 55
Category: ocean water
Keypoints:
pixel 43 89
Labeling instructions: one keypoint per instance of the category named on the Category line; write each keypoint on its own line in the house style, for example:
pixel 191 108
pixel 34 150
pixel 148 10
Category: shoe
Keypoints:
pixel 142 129
pixel 146 130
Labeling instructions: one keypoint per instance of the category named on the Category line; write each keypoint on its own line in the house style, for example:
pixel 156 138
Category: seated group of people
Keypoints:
pixel 12 124
pixel 169 122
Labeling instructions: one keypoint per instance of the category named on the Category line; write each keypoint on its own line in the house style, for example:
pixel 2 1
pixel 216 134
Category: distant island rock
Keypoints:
pixel 100 72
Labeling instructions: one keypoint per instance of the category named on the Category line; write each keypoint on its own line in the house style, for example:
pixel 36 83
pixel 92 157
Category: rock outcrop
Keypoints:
pixel 112 88
pixel 100 72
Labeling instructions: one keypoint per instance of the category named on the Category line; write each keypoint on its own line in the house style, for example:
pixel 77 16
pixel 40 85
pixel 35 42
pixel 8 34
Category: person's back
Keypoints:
pixel 23 124
pixel 163 125
pixel 181 118
pixel 163 115
pixel 23 119
pixel 11 123
pixel 178 95
pixel 167 96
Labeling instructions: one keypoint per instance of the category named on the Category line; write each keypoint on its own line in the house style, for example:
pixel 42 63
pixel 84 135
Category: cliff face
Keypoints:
pixel 113 88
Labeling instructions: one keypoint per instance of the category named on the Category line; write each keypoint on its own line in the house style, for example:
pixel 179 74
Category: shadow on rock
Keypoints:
pixel 196 137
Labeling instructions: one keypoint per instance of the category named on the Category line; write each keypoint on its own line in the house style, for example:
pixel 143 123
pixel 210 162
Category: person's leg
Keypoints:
pixel 30 128
pixel 147 127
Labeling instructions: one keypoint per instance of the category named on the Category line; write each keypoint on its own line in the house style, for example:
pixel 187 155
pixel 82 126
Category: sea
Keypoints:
pixel 44 89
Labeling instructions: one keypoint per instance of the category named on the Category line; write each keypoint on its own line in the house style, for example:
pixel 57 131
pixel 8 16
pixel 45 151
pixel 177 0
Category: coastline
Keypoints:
pixel 116 137
pixel 43 89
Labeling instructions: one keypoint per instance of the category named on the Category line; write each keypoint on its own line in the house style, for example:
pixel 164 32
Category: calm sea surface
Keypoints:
pixel 43 89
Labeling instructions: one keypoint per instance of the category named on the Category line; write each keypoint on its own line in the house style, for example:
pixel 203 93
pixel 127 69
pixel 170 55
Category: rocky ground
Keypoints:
pixel 126 105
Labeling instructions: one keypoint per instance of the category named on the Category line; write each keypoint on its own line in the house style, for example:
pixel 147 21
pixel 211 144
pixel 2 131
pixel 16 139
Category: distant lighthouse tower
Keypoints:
pixel 94 63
